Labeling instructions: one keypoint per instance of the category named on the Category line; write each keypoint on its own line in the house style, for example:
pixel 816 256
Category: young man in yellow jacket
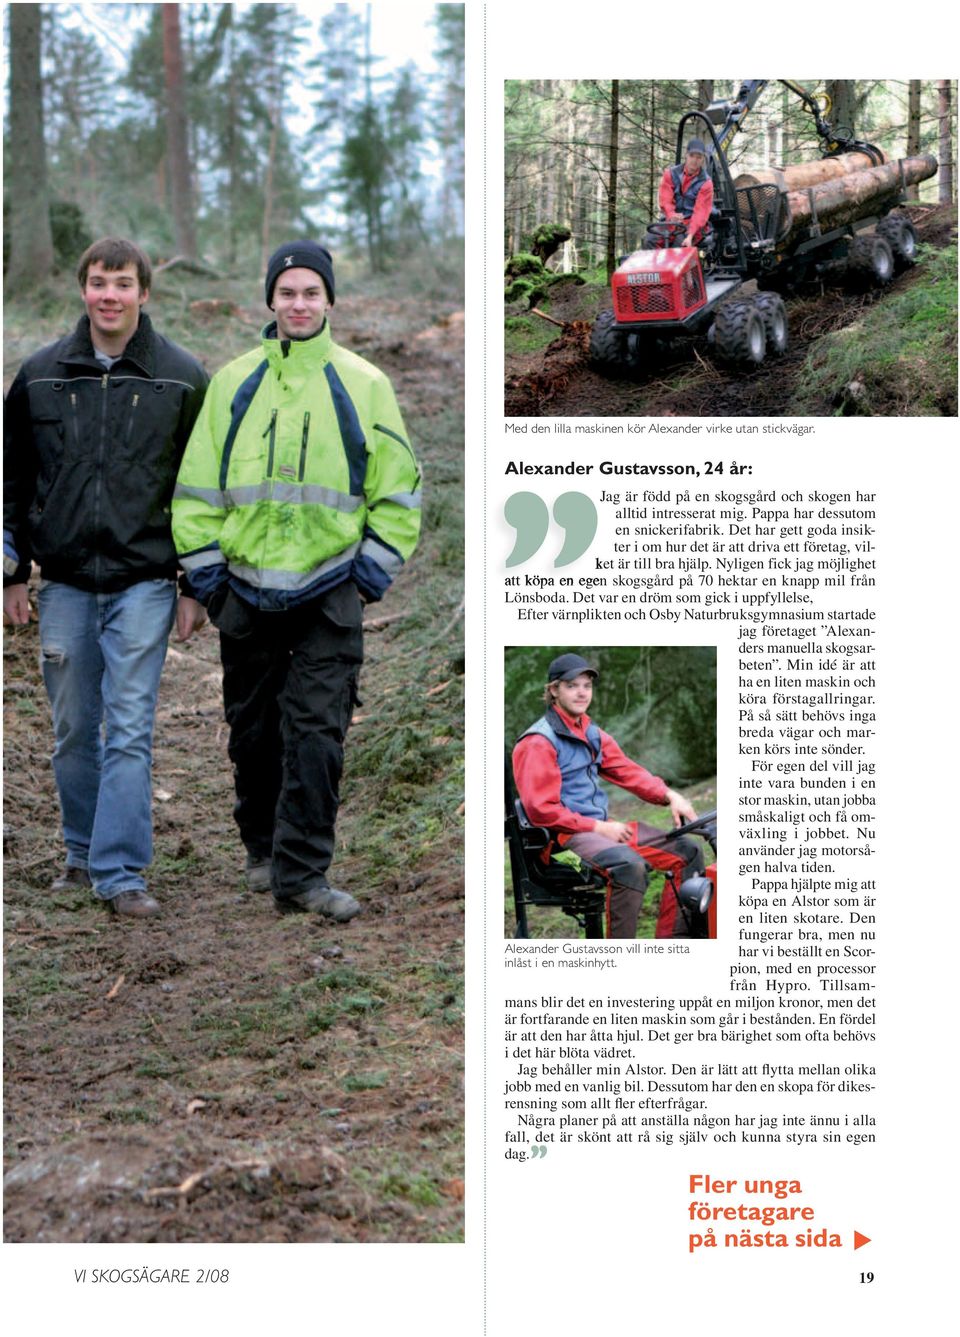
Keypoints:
pixel 298 501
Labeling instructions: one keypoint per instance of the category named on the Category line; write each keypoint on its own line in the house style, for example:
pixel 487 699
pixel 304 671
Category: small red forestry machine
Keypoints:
pixel 759 231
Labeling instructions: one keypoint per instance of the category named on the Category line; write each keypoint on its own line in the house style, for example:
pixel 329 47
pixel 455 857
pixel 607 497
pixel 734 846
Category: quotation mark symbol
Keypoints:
pixel 538 1149
pixel 527 513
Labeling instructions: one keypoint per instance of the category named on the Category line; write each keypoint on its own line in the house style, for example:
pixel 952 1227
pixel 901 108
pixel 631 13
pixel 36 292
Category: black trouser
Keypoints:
pixel 289 687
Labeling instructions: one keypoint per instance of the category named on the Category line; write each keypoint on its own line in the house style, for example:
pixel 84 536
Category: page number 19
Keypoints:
pixel 866 1278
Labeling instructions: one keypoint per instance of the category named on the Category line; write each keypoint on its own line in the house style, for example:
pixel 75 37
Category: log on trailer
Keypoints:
pixel 851 197
pixel 806 174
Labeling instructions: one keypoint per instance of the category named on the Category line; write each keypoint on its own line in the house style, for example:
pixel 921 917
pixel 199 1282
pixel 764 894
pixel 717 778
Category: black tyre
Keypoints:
pixel 870 262
pixel 607 344
pixel 739 336
pixel 901 236
pixel 774 315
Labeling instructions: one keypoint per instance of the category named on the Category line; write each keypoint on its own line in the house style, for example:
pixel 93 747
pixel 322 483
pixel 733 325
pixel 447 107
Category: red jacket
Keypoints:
pixel 537 775
pixel 701 209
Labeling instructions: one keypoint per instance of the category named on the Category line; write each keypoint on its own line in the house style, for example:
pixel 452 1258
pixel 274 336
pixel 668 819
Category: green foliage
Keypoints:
pixel 356 176
pixel 71 235
pixel 557 134
pixel 548 238
pixel 364 1081
pixel 527 334
pixel 550 234
pixel 369 135
pixel 525 290
pixel 658 702
pixel 904 349
pixel 447 114
pixel 524 262
pixel 415 1188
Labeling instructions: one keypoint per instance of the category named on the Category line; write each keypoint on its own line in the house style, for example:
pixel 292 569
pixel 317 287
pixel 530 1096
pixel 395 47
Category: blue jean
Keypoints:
pixel 101 656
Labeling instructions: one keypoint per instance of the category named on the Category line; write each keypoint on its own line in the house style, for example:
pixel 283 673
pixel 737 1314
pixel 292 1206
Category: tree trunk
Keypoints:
pixel 612 187
pixel 267 220
pixel 785 122
pixel 851 197
pixel 807 173
pixel 913 129
pixel 573 194
pixel 769 143
pixel 652 165
pixel 945 116
pixel 31 243
pixel 704 93
pixel 842 94
pixel 231 147
pixel 177 156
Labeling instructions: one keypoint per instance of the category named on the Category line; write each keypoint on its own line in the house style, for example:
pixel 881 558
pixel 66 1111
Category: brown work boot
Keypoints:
pixel 135 904
pixel 72 876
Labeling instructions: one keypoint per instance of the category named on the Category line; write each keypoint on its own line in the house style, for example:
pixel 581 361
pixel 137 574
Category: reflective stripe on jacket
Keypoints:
pixel 298 475
pixel 579 763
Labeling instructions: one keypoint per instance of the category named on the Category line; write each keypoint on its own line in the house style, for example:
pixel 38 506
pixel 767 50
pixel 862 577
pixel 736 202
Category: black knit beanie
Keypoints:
pixel 300 255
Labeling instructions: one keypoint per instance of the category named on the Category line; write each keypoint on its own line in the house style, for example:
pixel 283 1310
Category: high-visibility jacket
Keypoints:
pixel 297 476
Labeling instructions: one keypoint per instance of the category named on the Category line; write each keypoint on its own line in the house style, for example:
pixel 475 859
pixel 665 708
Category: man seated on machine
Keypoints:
pixel 557 764
pixel 686 196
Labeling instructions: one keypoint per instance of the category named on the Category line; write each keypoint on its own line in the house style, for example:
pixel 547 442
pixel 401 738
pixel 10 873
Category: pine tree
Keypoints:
pixel 449 115
pixel 31 241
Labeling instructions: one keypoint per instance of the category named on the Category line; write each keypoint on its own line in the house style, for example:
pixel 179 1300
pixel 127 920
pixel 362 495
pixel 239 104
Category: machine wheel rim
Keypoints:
pixel 778 331
pixel 883 264
pixel 756 339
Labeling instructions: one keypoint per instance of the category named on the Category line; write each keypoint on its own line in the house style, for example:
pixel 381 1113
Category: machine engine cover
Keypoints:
pixel 662 284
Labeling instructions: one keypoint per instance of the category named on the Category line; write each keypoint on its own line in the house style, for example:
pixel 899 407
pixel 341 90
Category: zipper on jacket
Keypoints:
pixel 133 414
pixel 303 447
pixel 271 431
pixel 75 416
pixel 98 489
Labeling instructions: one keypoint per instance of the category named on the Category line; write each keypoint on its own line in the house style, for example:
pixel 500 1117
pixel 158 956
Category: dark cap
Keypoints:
pixel 697 146
pixel 300 255
pixel 565 667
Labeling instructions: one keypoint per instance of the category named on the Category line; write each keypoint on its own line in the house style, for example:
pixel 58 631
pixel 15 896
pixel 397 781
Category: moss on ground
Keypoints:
pixel 903 351
pixel 527 334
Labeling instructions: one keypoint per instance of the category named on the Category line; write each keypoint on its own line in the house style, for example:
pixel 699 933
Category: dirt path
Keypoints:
pixel 219 1073
pixel 559 381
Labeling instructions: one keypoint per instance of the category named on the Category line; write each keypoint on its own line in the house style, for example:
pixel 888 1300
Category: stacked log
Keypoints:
pixel 808 173
pixel 856 195
pixel 835 191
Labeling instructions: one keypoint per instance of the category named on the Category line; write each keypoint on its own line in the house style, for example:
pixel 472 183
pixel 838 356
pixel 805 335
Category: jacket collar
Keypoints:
pixel 565 724
pixel 697 176
pixel 140 349
pixel 297 354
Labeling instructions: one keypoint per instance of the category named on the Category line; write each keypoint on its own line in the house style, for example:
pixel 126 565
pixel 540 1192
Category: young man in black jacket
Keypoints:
pixel 94 429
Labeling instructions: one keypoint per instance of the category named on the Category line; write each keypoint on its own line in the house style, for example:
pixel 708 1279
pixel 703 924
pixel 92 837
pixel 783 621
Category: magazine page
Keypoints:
pixel 233 855
pixel 459 464
pixel 717 514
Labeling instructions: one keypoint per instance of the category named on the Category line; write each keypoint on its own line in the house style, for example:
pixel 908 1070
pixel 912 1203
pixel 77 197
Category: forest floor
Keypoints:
pixel 220 1073
pixel 898 345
